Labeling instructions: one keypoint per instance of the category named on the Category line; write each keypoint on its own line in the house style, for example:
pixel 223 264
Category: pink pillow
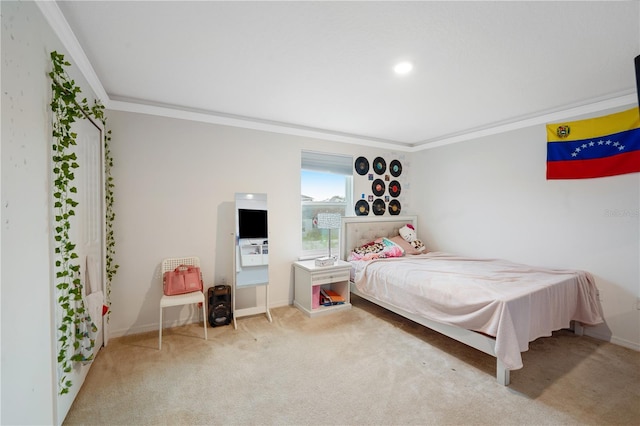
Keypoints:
pixel 406 246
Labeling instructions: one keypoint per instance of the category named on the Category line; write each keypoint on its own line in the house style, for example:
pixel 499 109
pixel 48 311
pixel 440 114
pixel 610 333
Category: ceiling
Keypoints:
pixel 325 68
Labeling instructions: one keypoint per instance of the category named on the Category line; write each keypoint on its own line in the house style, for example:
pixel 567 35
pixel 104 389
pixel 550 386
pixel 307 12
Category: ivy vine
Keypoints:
pixel 77 331
pixel 110 215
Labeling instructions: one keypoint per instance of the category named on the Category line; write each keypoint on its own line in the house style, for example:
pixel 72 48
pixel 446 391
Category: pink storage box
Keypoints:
pixel 315 297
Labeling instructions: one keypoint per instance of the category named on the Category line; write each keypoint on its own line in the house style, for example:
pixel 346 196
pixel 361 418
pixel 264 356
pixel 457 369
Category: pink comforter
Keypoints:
pixel 512 302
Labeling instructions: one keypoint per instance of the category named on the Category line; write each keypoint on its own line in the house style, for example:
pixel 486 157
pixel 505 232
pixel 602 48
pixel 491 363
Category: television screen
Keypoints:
pixel 252 223
pixel 637 61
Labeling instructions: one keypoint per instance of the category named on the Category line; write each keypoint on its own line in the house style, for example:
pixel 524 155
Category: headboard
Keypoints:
pixel 359 230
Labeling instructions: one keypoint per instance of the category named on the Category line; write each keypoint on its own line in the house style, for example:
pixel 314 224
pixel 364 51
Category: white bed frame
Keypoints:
pixel 360 230
pixel 357 231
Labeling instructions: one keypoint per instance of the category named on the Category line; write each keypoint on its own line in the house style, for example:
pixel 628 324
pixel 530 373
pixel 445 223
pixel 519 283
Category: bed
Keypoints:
pixel 493 305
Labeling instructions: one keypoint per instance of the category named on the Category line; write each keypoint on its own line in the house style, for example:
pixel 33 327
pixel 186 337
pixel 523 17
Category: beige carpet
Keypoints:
pixel 364 366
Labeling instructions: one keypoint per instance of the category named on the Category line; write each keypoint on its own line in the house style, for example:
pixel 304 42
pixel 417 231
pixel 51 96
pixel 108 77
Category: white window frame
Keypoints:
pixel 327 163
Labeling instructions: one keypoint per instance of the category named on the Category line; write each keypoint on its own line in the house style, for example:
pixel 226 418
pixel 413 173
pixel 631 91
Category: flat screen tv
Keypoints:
pixel 637 61
pixel 252 223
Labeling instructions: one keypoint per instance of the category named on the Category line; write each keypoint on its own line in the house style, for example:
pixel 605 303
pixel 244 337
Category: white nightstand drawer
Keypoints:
pixel 329 277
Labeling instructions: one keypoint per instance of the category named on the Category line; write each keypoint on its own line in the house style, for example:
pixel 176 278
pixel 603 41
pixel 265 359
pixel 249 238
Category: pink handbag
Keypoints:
pixel 183 279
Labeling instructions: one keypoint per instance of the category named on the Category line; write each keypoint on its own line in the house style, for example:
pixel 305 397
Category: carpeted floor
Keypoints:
pixel 364 366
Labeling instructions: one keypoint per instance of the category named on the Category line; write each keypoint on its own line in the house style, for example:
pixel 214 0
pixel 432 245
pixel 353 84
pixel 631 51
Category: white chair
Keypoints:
pixel 182 299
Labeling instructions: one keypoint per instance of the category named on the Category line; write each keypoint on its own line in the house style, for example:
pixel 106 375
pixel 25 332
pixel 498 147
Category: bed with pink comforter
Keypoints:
pixel 513 303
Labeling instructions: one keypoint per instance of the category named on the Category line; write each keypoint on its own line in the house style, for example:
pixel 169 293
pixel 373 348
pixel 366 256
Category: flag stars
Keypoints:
pixel 592 144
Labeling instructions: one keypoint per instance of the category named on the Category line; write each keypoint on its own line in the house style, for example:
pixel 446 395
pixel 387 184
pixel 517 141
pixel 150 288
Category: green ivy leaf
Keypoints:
pixel 66 111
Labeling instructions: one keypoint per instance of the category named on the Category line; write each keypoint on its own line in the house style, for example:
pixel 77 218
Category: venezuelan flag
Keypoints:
pixel 596 147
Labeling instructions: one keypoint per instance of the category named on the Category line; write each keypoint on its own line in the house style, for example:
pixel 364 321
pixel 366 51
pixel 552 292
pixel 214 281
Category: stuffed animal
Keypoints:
pixel 408 232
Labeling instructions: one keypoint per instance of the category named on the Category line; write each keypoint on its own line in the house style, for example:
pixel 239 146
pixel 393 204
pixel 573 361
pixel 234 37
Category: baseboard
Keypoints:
pixel 588 331
pixel 612 339
pixel 146 328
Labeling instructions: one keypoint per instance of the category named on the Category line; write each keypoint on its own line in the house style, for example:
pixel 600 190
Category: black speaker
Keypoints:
pixel 219 306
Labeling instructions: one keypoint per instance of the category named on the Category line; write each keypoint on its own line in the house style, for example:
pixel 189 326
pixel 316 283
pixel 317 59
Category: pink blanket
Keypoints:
pixel 512 302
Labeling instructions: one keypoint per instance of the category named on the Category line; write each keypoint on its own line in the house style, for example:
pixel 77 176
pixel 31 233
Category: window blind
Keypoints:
pixel 327 163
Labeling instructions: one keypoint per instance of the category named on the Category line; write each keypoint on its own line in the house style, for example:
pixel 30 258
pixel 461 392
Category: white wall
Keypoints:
pixel 28 347
pixel 489 197
pixel 175 186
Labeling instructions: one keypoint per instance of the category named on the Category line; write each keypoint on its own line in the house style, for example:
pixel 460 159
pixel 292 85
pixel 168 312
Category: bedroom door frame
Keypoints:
pixel 89 182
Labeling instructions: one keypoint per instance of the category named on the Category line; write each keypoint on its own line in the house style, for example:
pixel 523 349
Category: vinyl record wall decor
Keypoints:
pixel 395 168
pixel 379 165
pixel 362 166
pixel 378 185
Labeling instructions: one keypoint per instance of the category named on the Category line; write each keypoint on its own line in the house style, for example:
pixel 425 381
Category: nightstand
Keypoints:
pixel 309 279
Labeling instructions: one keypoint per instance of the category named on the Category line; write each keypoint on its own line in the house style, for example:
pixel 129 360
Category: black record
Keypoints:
pixel 378 207
pixel 394 188
pixel 362 166
pixel 362 208
pixel 394 207
pixel 378 187
pixel 395 168
pixel 379 165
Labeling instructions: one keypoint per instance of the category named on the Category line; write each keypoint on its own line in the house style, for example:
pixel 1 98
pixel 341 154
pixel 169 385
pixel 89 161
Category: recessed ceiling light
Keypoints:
pixel 403 67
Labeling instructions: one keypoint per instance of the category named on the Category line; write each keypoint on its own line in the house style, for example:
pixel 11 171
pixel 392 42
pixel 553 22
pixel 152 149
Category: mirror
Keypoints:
pixel 252 240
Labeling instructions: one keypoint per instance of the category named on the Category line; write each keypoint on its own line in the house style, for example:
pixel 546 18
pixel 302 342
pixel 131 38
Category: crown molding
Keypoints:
pixel 569 112
pixel 253 124
pixel 57 21
pixel 626 100
pixel 60 26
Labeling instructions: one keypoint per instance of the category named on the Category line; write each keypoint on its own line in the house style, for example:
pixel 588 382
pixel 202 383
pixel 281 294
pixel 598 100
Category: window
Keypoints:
pixel 326 187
